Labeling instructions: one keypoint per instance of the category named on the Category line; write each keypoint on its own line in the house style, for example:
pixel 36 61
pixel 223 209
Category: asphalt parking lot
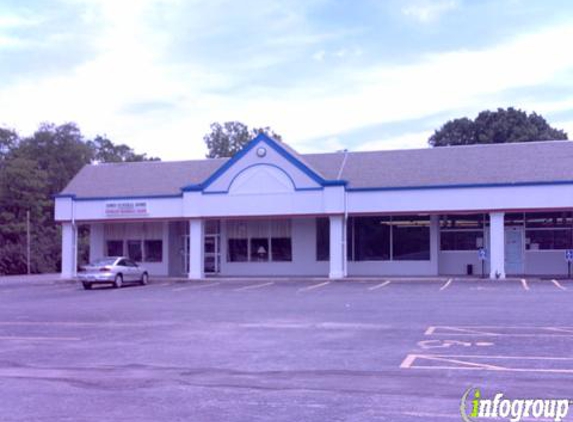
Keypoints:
pixel 279 350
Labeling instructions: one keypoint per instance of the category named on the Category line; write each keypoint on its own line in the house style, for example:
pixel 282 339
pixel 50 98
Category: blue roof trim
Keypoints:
pixel 334 183
pixel 461 186
pixel 64 195
pixel 261 137
pixel 193 188
pixel 225 192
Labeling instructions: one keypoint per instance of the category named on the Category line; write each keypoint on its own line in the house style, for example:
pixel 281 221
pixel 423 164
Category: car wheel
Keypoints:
pixel 87 286
pixel 118 282
pixel 144 279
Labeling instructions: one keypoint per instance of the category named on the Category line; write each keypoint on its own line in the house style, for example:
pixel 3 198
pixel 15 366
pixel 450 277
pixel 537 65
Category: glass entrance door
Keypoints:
pixel 212 247
pixel 514 250
pixel 184 249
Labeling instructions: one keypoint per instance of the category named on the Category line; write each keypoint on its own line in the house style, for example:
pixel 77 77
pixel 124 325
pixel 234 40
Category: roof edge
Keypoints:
pixel 262 137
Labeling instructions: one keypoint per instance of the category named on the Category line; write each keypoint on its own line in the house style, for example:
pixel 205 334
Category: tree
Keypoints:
pixel 494 127
pixel 8 141
pixel 229 138
pixel 32 169
pixel 22 189
pixel 105 151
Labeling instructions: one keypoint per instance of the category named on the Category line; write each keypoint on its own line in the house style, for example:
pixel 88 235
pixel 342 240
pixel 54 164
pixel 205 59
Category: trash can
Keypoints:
pixel 470 269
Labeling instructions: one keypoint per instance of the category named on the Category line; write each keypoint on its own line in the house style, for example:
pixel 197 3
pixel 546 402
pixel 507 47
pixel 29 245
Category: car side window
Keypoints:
pixel 122 262
pixel 131 263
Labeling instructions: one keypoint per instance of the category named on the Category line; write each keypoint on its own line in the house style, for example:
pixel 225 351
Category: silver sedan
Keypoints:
pixel 115 270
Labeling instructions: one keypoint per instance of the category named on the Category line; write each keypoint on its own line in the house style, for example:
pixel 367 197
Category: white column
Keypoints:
pixel 97 243
pixel 69 251
pixel 497 245
pixel 337 249
pixel 434 243
pixel 196 245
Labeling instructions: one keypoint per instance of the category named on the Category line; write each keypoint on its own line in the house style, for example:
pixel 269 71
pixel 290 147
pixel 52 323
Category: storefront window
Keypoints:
pixel 462 222
pixel 238 250
pixel 549 220
pixel 134 251
pixel 382 238
pixel 281 243
pixel 259 249
pixel 461 240
pixel 549 231
pixel 114 248
pixel 462 232
pixel 371 238
pixel 153 250
pixel 411 238
pixel 259 240
pixel 281 249
pixel 322 239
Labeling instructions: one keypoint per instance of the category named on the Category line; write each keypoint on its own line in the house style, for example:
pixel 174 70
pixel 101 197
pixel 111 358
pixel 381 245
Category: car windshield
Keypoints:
pixel 103 262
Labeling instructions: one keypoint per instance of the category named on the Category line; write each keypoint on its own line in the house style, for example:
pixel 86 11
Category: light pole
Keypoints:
pixel 28 240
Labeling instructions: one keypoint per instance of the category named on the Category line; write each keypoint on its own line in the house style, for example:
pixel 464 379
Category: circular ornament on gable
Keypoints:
pixel 261 152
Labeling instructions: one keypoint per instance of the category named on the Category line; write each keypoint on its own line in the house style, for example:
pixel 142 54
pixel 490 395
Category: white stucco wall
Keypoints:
pixel 545 263
pixel 462 199
pixel 455 263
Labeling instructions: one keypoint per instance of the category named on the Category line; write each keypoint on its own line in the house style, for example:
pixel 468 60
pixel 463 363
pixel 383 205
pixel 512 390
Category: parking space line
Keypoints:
pixel 202 286
pixel 27 338
pixel 430 330
pixel 472 362
pixel 499 331
pixel 408 361
pixel 524 284
pixel 379 286
pixel 558 285
pixel 312 287
pixel 254 286
pixel 447 284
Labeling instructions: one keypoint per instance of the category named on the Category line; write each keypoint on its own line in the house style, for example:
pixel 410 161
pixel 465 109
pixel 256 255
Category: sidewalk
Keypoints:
pixel 30 279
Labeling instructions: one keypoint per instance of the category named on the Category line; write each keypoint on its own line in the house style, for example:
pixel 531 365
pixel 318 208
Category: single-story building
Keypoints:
pixel 270 211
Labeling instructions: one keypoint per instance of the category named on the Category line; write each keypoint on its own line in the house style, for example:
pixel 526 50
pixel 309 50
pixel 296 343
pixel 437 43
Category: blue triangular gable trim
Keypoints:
pixel 261 137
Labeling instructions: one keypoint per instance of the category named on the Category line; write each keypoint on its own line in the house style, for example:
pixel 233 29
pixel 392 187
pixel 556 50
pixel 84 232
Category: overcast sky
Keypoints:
pixel 325 74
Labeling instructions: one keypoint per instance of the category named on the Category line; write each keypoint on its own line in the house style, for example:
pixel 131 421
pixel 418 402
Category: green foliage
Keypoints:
pixel 105 151
pixel 229 138
pixel 8 141
pixel 32 169
pixel 494 127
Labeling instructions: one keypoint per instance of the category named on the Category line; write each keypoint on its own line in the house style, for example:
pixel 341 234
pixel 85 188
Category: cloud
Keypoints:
pixel 13 21
pixel 566 125
pixel 408 140
pixel 159 90
pixel 319 55
pixel 10 23
pixel 7 42
pixel 429 11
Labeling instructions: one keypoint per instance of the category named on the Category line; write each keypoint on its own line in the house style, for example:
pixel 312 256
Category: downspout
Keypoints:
pixel 345 237
pixel 74 241
pixel 345 221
